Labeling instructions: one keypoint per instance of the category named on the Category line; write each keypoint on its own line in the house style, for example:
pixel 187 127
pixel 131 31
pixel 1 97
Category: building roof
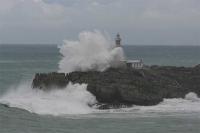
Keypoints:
pixel 133 61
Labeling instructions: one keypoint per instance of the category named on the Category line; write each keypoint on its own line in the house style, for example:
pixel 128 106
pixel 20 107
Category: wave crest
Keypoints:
pixel 74 99
pixel 93 51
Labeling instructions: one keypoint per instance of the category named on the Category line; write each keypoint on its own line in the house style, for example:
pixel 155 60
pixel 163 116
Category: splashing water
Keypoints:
pixel 191 103
pixel 93 51
pixel 74 99
pixel 192 97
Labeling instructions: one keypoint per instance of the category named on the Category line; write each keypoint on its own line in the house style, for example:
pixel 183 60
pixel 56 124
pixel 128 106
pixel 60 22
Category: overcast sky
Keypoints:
pixel 141 22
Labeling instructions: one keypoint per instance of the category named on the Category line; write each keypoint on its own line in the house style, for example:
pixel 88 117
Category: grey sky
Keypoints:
pixel 156 22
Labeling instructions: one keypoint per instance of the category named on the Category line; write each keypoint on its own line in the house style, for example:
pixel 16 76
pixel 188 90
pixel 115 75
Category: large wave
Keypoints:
pixel 74 99
pixel 93 51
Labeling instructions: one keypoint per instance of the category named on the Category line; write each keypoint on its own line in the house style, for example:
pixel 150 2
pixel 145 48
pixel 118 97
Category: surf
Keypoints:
pixel 92 51
pixel 74 99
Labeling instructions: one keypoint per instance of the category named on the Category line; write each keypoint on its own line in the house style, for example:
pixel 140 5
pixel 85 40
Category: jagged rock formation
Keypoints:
pixel 118 86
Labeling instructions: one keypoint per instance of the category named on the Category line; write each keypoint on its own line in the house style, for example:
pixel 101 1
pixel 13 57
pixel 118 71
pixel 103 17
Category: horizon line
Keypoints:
pixel 122 45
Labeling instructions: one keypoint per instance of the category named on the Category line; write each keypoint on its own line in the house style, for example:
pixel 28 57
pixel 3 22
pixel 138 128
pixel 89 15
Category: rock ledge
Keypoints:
pixel 118 87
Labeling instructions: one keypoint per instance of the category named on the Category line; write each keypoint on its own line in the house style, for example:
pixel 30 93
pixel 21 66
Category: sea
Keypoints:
pixel 25 111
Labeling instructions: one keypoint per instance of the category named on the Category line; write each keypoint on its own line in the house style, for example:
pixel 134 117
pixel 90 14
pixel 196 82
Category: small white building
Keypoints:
pixel 136 64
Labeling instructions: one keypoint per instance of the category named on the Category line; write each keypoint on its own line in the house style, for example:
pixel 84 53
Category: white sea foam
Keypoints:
pixel 93 51
pixel 74 99
pixel 191 103
pixel 192 97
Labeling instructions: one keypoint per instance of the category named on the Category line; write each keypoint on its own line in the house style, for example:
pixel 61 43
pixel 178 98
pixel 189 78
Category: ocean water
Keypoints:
pixel 37 112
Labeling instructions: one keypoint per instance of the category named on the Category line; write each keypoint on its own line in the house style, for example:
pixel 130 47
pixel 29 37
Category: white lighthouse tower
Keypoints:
pixel 135 64
pixel 118 40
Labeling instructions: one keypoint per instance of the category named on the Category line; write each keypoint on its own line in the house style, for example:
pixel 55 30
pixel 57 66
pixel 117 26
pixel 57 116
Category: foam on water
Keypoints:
pixel 191 103
pixel 74 99
pixel 93 51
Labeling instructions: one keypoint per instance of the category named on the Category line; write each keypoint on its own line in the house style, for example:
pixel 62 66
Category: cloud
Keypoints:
pixel 141 21
pixel 35 9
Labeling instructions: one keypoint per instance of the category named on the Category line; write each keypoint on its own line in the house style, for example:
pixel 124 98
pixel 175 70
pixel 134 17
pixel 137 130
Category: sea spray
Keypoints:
pixel 74 99
pixel 93 51
pixel 191 103
pixel 192 97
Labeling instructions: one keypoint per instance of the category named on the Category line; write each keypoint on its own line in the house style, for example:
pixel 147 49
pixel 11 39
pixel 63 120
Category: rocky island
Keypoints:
pixel 130 83
pixel 116 87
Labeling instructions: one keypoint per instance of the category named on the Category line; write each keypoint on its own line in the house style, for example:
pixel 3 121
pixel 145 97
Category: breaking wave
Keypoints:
pixel 191 103
pixel 93 51
pixel 74 99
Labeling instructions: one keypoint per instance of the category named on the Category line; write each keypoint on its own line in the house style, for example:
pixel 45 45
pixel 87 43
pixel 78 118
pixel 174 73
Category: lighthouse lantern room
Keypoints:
pixel 118 40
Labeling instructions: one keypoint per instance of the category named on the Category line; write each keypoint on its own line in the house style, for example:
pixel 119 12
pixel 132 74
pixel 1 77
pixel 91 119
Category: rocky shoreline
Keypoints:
pixel 119 87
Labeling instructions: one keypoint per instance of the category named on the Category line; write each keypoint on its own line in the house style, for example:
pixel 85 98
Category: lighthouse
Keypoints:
pixel 134 64
pixel 118 40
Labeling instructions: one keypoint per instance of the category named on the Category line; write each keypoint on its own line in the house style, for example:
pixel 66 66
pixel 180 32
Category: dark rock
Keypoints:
pixel 116 86
pixel 50 80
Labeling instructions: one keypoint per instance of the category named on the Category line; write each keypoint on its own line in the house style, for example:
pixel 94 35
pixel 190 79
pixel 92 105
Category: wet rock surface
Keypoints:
pixel 118 87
